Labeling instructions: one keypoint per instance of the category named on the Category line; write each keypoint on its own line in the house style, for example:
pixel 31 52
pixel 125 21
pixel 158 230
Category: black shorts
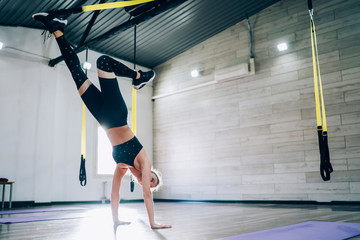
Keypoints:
pixel 127 151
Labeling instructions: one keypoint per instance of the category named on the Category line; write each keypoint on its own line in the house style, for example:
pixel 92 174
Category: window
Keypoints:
pixel 105 162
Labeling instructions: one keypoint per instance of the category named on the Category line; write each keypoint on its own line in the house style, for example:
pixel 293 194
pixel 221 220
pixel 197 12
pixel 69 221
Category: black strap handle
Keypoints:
pixel 132 184
pixel 82 173
pixel 325 165
pixel 310 4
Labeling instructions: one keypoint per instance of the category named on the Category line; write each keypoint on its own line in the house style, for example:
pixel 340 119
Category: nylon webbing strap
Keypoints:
pixel 133 108
pixel 133 112
pixel 103 6
pixel 113 5
pixel 325 165
pixel 82 173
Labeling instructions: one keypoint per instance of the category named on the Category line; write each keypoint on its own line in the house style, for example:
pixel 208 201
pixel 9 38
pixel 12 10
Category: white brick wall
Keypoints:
pixel 254 138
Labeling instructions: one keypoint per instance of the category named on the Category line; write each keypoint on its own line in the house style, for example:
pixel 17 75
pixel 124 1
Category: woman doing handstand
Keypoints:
pixel 109 109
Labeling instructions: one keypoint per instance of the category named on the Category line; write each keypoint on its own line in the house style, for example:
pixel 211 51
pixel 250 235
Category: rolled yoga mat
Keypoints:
pixel 24 219
pixel 36 210
pixel 313 230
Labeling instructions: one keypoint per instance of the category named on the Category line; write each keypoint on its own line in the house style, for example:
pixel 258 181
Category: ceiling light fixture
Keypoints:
pixel 87 65
pixel 282 46
pixel 194 73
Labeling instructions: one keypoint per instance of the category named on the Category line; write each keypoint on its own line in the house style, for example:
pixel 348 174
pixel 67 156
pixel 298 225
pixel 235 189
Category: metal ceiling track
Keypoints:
pixel 159 7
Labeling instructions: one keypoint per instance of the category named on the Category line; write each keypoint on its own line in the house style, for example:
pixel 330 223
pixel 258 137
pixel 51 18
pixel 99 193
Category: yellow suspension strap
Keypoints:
pixel 82 173
pixel 133 108
pixel 133 128
pixel 113 5
pixel 104 6
pixel 325 165
pixel 133 113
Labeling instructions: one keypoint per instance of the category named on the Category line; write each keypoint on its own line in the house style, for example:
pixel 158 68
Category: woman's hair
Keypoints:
pixel 159 178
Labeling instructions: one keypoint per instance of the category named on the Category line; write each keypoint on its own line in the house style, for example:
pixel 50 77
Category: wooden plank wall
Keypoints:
pixel 254 138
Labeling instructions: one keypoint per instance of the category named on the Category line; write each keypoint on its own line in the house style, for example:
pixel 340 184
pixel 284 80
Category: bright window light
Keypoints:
pixel 105 162
pixel 1 45
pixel 282 46
pixel 194 73
pixel 87 65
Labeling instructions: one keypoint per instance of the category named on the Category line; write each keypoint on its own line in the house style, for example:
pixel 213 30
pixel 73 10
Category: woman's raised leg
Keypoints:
pixel 55 23
pixel 88 92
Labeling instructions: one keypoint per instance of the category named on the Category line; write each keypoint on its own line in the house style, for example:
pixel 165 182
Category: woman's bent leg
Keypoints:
pixel 114 107
pixel 108 64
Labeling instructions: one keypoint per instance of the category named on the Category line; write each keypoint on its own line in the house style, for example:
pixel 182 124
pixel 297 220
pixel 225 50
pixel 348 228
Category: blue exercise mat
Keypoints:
pixel 313 230
pixel 36 210
pixel 39 218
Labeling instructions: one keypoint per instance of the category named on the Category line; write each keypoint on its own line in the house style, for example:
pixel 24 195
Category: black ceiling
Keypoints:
pixel 177 25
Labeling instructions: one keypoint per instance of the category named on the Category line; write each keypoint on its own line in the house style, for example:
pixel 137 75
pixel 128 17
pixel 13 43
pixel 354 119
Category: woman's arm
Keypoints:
pixel 148 199
pixel 115 196
pixel 150 210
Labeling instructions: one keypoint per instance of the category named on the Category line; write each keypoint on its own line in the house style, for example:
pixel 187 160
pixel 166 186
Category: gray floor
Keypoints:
pixel 189 220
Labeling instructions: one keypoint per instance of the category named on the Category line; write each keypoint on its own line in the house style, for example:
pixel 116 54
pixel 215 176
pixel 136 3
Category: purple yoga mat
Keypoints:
pixel 39 218
pixel 313 230
pixel 39 210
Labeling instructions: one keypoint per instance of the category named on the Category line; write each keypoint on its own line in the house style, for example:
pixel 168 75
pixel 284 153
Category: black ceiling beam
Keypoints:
pixel 141 8
pixel 90 25
pixel 78 4
pixel 163 7
pixel 166 5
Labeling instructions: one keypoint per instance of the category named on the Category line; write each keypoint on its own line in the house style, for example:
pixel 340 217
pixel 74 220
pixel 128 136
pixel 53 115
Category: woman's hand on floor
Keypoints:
pixel 159 226
pixel 118 223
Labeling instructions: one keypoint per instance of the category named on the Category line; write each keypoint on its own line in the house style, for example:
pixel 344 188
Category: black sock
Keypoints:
pixel 72 61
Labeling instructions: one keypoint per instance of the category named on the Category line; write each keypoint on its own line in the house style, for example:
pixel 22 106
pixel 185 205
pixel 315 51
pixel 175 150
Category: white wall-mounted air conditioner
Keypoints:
pixel 235 71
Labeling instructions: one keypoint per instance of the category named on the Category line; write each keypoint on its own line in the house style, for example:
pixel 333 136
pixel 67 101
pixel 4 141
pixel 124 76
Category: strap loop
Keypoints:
pixel 82 173
pixel 325 165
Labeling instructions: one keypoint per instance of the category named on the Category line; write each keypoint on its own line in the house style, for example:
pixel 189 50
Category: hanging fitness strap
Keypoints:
pixel 325 165
pixel 133 107
pixel 82 173
pixel 103 6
